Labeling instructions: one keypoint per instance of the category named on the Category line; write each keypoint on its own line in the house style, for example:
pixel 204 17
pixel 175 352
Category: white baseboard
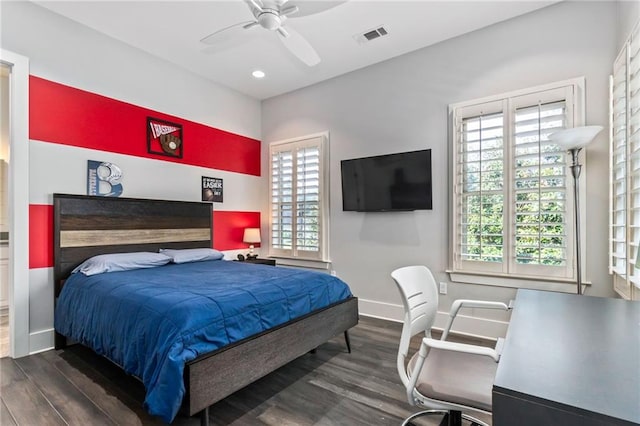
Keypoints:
pixel 382 310
pixel 466 325
pixel 40 341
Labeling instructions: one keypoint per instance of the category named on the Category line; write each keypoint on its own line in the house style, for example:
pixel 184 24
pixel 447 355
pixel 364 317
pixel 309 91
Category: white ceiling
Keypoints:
pixel 172 30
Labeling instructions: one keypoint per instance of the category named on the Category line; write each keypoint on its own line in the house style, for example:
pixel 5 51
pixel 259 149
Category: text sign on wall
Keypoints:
pixel 211 189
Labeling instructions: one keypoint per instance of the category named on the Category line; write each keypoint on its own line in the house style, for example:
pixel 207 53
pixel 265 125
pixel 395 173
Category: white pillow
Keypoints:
pixel 192 255
pixel 121 262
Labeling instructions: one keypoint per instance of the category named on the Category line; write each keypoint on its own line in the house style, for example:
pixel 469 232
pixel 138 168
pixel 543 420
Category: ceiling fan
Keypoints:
pixel 271 15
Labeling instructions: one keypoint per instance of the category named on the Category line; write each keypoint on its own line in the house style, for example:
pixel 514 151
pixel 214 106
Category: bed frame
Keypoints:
pixel 85 226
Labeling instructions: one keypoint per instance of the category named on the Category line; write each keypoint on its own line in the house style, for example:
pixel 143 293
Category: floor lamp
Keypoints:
pixel 573 140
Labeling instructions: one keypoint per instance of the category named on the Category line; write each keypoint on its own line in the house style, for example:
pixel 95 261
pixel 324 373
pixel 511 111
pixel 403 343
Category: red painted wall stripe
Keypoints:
pixel 228 230
pixel 69 116
pixel 40 236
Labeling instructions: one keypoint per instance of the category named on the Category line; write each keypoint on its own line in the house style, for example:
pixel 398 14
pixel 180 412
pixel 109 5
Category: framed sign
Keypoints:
pixel 104 179
pixel 164 137
pixel 211 189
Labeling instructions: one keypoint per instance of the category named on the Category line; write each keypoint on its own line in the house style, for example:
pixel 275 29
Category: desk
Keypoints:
pixel 569 360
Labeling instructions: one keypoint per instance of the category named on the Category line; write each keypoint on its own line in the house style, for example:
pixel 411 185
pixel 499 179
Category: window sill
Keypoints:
pixel 532 283
pixel 303 263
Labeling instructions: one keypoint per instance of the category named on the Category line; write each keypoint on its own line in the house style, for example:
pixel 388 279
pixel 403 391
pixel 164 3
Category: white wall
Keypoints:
pixel 66 52
pixel 628 16
pixel 401 105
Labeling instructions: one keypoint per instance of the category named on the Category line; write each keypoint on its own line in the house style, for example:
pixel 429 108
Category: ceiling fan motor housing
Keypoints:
pixel 269 19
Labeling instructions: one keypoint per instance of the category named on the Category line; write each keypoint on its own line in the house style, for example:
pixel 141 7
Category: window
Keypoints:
pixel 299 198
pixel 512 191
pixel 624 216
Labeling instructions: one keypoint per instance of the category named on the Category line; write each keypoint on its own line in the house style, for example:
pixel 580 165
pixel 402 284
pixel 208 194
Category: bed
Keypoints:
pixel 85 226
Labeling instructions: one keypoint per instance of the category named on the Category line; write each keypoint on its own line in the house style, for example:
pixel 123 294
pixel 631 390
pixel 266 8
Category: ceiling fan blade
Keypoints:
pixel 289 10
pixel 250 25
pixel 255 4
pixel 300 47
pixel 306 7
pixel 228 32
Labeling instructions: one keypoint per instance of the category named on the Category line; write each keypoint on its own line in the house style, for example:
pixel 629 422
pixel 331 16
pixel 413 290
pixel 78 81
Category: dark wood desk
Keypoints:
pixel 569 360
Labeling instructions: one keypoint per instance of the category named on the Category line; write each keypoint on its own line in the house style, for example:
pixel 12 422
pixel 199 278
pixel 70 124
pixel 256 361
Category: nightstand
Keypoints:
pixel 262 261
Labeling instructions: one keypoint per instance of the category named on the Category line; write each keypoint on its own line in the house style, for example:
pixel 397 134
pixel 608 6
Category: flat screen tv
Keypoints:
pixel 393 182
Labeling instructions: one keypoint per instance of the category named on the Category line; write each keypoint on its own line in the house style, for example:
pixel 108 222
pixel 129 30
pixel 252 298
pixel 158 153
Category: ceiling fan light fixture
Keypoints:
pixel 258 74
pixel 272 16
pixel 269 20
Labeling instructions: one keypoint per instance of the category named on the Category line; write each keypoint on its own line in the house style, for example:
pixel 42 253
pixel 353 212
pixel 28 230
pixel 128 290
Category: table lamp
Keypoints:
pixel 251 237
pixel 573 140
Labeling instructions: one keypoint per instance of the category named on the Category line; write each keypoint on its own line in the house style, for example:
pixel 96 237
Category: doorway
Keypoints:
pixel 5 72
pixel 15 200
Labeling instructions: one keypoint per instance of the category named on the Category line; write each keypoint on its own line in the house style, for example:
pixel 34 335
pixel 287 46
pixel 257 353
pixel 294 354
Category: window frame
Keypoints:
pixel 294 257
pixel 504 275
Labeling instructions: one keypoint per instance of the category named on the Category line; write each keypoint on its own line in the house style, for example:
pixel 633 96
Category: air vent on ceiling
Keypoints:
pixel 371 34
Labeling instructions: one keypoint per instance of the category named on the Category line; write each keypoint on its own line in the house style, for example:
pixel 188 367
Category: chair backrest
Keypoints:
pixel 420 299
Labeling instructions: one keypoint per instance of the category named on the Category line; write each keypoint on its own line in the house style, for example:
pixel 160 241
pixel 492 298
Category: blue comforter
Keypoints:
pixel 152 321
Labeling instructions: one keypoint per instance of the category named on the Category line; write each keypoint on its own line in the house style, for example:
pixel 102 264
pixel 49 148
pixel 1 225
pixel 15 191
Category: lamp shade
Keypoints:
pixel 251 235
pixel 577 137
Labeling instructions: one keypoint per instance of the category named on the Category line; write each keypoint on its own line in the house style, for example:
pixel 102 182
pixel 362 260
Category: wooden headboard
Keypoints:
pixel 85 226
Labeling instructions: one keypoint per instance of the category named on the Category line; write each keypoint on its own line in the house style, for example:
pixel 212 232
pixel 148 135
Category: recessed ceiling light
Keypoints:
pixel 258 74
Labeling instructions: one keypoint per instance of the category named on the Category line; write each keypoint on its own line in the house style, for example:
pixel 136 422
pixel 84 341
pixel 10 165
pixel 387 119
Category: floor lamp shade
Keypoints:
pixel 573 140
pixel 577 137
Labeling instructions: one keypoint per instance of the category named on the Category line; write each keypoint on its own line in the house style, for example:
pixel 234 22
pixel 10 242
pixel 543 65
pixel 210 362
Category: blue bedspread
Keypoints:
pixel 152 321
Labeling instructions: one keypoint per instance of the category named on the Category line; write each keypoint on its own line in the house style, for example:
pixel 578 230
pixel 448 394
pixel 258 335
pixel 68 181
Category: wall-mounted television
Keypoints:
pixel 392 182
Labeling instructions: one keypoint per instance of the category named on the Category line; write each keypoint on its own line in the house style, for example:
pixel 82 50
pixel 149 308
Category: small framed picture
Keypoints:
pixel 103 179
pixel 164 138
pixel 211 189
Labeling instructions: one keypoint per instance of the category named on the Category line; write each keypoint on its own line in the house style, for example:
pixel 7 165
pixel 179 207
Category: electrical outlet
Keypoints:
pixel 443 287
pixel 333 272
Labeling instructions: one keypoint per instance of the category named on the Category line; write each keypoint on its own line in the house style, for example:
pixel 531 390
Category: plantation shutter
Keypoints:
pixel 513 200
pixel 624 214
pixel 308 199
pixel 540 209
pixel 618 168
pixel 298 203
pixel 480 187
pixel 282 200
pixel 633 165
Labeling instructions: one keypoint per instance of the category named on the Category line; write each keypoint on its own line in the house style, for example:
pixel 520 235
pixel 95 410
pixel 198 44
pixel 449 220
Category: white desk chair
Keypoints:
pixel 444 377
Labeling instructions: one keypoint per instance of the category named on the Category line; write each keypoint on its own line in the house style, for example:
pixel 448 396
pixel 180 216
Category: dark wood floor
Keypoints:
pixel 330 387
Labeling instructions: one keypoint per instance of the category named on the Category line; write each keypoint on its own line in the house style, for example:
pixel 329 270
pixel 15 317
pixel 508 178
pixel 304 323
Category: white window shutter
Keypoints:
pixel 618 176
pixel 624 213
pixel 481 182
pixel 512 203
pixel 282 200
pixel 633 163
pixel 308 225
pixel 541 211
pixel 298 204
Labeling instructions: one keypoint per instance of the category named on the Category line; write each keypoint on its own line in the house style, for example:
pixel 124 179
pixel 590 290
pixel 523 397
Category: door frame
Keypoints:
pixel 18 196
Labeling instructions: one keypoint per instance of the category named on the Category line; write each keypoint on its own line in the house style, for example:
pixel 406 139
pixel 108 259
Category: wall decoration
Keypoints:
pixel 211 189
pixel 164 137
pixel 79 120
pixel 103 179
pixel 82 119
